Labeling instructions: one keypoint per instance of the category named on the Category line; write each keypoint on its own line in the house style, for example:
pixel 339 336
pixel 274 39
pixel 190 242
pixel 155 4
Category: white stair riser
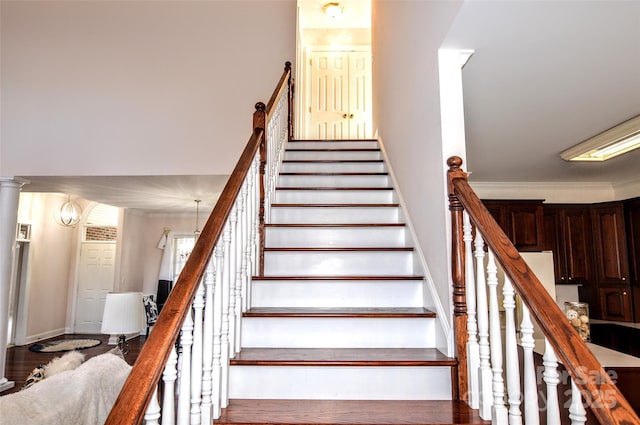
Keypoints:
pixel 342 155
pixel 339 332
pixel 333 167
pixel 338 263
pixel 327 215
pixel 328 237
pixel 341 382
pixel 355 293
pixel 334 196
pixel 343 144
pixel 334 181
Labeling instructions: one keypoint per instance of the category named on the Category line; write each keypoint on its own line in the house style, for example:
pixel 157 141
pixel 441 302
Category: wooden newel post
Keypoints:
pixel 260 123
pixel 290 93
pixel 458 277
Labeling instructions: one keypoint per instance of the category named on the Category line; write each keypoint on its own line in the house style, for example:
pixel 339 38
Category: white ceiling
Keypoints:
pixel 545 76
pixel 149 194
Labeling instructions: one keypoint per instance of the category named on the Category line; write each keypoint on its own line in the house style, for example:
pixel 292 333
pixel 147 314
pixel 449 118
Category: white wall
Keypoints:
pixel 51 257
pixel 122 88
pixel 406 38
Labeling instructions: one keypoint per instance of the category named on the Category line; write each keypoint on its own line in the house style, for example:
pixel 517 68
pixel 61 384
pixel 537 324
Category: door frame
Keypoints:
pixel 304 100
pixel 72 297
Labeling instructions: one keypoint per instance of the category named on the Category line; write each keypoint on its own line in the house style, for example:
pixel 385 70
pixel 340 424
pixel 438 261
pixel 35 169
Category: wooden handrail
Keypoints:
pixel 130 406
pixel 605 400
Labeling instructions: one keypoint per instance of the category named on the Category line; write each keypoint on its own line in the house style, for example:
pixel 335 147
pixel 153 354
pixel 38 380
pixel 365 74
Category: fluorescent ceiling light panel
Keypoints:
pixel 620 139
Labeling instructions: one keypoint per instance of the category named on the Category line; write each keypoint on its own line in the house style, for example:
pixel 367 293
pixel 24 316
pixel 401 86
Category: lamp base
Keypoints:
pixel 123 345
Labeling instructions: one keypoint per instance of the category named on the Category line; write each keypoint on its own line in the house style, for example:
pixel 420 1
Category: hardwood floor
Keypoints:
pixel 21 361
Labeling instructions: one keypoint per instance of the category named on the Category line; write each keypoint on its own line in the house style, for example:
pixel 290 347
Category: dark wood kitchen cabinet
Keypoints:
pixel 521 220
pixel 567 232
pixel 632 221
pixel 611 264
pixel 615 303
pixel 610 243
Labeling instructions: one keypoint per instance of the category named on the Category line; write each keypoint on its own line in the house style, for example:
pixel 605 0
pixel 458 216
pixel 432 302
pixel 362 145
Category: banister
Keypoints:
pixel 607 403
pixel 140 386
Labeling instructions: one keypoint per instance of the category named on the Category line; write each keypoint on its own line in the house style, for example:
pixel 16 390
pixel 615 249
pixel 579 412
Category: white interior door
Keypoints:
pixel 95 280
pixel 340 101
pixel 330 95
pixel 360 114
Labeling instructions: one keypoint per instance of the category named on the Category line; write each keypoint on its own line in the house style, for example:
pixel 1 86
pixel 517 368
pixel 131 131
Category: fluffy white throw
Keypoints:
pixel 80 396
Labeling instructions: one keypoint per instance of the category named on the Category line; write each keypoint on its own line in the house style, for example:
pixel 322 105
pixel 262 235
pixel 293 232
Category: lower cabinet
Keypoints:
pixel 615 304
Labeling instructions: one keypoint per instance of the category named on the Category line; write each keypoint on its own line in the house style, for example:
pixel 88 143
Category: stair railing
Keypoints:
pixel 490 376
pixel 181 375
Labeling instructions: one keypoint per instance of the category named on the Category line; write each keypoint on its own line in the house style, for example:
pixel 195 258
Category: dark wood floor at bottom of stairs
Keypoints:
pixel 348 412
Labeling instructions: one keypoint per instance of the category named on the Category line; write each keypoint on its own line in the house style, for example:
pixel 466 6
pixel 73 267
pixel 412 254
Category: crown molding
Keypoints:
pixel 551 192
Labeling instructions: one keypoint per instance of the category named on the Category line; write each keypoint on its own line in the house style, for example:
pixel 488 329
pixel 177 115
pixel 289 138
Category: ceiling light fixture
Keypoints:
pixel 197 231
pixel 620 139
pixel 69 214
pixel 332 10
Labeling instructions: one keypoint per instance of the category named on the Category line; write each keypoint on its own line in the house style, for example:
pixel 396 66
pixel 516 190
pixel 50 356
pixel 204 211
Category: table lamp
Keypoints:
pixel 123 314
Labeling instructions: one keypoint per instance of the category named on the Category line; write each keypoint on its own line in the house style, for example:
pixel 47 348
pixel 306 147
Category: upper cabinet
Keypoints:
pixel 521 220
pixel 610 243
pixel 632 220
pixel 567 232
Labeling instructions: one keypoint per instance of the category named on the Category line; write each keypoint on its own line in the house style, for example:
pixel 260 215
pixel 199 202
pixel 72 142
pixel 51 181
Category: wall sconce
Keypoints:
pixel 69 213
pixel 332 10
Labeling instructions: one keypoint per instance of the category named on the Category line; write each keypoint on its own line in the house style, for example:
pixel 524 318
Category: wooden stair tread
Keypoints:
pixel 376 312
pixel 342 278
pixel 335 174
pixel 349 412
pixel 333 150
pixel 342 357
pixel 332 140
pixel 336 205
pixel 336 249
pixel 332 188
pixel 335 225
pixel 331 160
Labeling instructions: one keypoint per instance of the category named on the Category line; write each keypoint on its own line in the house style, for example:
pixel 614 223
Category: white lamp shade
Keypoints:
pixel 123 313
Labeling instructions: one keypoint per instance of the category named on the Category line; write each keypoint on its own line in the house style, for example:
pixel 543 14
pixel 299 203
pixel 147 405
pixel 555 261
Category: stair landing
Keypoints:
pixel 348 412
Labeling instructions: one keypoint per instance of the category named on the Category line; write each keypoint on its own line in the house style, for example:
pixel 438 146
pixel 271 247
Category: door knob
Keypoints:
pixel 344 115
pixel 350 115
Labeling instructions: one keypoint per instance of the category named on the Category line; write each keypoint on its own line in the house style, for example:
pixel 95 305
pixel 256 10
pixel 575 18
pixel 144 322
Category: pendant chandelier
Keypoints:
pixel 196 232
pixel 69 213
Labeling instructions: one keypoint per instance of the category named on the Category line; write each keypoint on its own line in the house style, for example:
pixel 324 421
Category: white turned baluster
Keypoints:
pixel 216 373
pixel 169 376
pixel 238 270
pixel 511 354
pixel 499 411
pixel 224 335
pixel 248 223
pixel 552 379
pixel 530 385
pixel 207 346
pixel 484 377
pixel 256 223
pixel 184 399
pixel 196 355
pixel 473 353
pixel 577 413
pixel 233 264
pixel 152 414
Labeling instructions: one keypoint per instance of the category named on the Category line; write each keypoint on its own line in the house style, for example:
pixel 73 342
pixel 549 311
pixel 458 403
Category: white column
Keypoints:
pixel 9 198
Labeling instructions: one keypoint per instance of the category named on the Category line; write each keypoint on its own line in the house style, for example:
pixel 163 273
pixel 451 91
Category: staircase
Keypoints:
pixel 338 331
